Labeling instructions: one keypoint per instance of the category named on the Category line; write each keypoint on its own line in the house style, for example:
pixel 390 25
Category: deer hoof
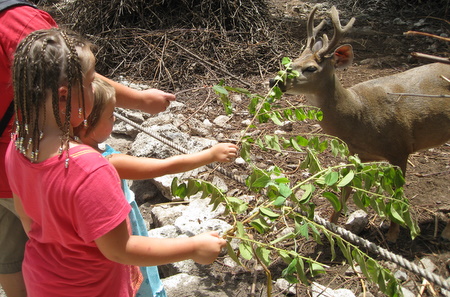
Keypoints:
pixel 392 234
pixel 445 235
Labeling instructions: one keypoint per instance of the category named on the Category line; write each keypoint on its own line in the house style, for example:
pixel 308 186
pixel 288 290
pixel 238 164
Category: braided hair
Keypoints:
pixel 44 61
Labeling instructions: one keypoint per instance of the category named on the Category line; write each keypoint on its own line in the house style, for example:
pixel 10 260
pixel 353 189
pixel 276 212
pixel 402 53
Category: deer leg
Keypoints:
pixel 393 232
pixel 446 232
pixel 394 228
pixel 345 193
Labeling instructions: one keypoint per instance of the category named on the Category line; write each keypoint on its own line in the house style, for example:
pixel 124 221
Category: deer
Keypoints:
pixel 375 122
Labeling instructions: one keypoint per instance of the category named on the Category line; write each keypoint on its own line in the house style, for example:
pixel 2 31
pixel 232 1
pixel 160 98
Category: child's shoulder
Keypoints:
pixel 86 157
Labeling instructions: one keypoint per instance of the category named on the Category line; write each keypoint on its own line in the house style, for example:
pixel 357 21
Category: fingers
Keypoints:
pixel 232 152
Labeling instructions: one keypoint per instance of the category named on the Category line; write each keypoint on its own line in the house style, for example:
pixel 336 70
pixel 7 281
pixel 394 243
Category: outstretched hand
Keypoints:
pixel 154 101
pixel 224 152
pixel 207 247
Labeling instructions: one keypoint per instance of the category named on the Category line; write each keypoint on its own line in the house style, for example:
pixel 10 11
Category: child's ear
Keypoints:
pixel 62 98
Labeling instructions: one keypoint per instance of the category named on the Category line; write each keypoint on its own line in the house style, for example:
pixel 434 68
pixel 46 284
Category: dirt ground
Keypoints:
pixel 380 49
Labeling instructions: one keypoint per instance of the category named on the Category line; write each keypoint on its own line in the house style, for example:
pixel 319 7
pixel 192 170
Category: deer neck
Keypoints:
pixel 331 95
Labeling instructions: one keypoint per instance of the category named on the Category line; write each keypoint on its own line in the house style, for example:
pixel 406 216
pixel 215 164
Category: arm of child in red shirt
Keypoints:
pixel 118 246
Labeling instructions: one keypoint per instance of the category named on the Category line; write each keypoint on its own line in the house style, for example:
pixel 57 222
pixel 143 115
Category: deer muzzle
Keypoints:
pixel 278 83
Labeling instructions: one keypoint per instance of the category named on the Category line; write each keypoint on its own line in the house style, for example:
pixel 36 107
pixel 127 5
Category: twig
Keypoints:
pixel 427 34
pixel 420 95
pixel 200 60
pixel 431 58
pixel 197 110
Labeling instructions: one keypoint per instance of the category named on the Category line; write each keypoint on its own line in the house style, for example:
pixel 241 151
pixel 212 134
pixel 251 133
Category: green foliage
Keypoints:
pixel 284 204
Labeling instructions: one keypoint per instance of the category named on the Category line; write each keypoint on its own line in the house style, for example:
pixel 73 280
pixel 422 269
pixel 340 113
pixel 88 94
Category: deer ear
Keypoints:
pixel 317 46
pixel 343 56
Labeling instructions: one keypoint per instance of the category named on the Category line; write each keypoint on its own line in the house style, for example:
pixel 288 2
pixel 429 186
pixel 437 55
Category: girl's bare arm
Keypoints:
pixel 135 168
pixel 24 218
pixel 119 246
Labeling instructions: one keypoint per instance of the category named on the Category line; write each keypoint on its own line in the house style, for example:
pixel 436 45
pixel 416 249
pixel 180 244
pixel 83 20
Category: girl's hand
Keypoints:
pixel 154 101
pixel 207 247
pixel 224 152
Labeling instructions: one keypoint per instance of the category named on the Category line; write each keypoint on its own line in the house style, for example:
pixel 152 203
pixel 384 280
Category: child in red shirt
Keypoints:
pixel 67 195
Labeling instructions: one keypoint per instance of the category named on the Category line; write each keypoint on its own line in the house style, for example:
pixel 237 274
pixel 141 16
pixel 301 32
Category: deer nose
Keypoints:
pixel 278 83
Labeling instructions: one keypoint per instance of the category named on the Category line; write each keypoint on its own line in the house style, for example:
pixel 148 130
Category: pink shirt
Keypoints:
pixel 70 208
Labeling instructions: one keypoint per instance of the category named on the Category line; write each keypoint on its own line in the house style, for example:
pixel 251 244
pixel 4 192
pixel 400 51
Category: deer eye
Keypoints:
pixel 310 69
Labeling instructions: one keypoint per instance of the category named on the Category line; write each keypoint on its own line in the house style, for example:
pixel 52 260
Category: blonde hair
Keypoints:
pixel 104 93
pixel 44 61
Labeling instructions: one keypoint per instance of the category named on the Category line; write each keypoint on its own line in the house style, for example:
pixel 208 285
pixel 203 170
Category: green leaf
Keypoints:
pixel 261 182
pixel 304 230
pixel 260 225
pixel 192 187
pixel 285 191
pixel 180 191
pixel 239 206
pixel 240 230
pixel 272 142
pixel 308 191
pixel 232 254
pixel 300 267
pixel 174 185
pixel 288 272
pixel 284 237
pixel 395 214
pixel 279 201
pixel 316 269
pixel 263 255
pixel 285 61
pixel 331 178
pixel 268 213
pixel 334 200
pixel 245 250
pixel 346 179
pixel 220 90
pixel 276 119
pixel 245 151
pixel 285 256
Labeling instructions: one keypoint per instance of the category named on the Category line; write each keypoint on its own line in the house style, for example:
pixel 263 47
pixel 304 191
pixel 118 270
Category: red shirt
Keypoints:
pixel 70 208
pixel 15 24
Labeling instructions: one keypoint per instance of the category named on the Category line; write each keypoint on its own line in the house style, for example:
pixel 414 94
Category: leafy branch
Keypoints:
pixel 281 216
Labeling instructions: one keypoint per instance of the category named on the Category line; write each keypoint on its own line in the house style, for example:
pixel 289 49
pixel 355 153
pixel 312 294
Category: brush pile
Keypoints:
pixel 171 43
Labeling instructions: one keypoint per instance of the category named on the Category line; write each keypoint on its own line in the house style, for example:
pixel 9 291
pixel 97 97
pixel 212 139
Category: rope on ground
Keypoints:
pixel 347 235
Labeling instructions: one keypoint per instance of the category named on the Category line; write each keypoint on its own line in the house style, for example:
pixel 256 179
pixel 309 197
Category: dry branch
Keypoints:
pixel 172 43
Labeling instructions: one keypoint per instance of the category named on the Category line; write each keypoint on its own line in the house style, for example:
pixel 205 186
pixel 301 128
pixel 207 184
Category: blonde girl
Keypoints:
pixel 98 130
pixel 67 195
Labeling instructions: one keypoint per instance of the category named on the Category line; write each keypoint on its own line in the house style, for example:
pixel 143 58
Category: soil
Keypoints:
pixel 380 49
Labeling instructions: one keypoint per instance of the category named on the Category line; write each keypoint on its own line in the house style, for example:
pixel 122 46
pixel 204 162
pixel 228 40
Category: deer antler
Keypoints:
pixel 339 31
pixel 311 30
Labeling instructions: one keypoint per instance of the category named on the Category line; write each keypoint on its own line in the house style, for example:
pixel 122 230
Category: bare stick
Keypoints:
pixel 200 60
pixel 431 58
pixel 419 95
pixel 427 34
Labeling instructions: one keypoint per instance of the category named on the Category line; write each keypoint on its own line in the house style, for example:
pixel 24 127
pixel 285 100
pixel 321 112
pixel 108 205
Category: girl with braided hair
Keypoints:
pixel 69 197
